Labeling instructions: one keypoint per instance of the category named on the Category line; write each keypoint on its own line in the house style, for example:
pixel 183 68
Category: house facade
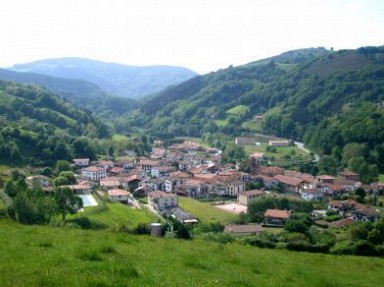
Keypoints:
pixel 160 200
pixel 93 173
pixel 245 197
pixel 120 195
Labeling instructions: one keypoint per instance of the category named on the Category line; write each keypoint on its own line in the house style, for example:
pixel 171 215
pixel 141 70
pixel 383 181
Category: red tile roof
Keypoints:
pixel 118 192
pixel 277 213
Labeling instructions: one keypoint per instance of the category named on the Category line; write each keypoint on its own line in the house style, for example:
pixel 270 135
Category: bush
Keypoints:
pixel 86 223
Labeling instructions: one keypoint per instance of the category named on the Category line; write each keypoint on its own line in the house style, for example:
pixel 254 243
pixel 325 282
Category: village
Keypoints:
pixel 191 170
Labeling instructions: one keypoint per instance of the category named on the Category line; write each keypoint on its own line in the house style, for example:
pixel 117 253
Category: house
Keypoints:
pixel 106 164
pixel 343 206
pixel 332 190
pixel 292 184
pixel 108 184
pixel 270 171
pixel 311 194
pixel 81 188
pixel 267 181
pixel 279 143
pixel 81 162
pixel 192 188
pixel 365 214
pixel 116 170
pixel 258 157
pixel 162 171
pixel 325 179
pixel 160 200
pixel 126 164
pixel 245 197
pixel 93 173
pixel 155 183
pixel 143 191
pixel 146 165
pixel 120 195
pixel 232 188
pixel 276 217
pixel 246 229
pixel 349 175
pixel 38 181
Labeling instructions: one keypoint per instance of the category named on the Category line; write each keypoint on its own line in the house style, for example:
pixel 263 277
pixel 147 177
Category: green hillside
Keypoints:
pixel 47 256
pixel 330 100
pixel 80 93
pixel 38 127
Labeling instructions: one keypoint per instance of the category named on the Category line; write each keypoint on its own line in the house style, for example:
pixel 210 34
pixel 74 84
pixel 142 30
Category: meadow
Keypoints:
pixel 115 214
pixel 47 256
pixel 206 212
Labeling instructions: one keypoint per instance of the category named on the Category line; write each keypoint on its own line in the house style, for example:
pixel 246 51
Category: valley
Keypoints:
pixel 272 170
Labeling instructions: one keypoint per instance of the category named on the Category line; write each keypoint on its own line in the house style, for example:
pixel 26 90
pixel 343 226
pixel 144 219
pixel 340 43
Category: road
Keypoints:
pixel 302 147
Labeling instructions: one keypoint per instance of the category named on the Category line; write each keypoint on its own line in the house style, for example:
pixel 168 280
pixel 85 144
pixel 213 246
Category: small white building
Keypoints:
pixel 279 143
pixel 93 173
pixel 81 162
pixel 311 194
pixel 120 195
pixel 162 200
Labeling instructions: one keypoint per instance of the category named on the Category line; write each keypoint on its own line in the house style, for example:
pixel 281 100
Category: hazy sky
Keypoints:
pixel 203 35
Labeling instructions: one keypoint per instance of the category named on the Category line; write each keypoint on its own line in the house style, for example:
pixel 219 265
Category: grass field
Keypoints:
pixel 206 212
pixel 2 205
pixel 116 214
pixel 289 154
pixel 46 256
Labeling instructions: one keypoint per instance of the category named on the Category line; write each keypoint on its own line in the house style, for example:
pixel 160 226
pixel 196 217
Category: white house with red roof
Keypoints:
pixel 94 173
pixel 120 195
pixel 160 200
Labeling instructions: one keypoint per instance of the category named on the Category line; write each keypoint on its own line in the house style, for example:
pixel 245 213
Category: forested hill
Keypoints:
pixel 115 79
pixel 81 93
pixel 38 127
pixel 328 99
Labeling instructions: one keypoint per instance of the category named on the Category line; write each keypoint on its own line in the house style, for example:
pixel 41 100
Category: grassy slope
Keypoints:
pixel 205 211
pixel 117 213
pixel 43 256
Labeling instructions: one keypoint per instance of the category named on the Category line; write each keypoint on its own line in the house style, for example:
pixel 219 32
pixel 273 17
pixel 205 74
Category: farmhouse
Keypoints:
pixel 276 217
pixel 365 214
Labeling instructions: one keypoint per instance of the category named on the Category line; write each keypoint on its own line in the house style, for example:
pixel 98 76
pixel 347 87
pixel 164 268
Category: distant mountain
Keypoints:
pixel 81 93
pixel 115 79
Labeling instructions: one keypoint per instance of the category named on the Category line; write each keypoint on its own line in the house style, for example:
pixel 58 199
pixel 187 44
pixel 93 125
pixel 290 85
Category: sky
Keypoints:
pixel 203 35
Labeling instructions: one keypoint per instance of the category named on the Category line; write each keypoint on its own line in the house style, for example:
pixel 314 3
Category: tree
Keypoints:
pixel 10 188
pixel 21 185
pixel 69 175
pixel 62 165
pixel 67 202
